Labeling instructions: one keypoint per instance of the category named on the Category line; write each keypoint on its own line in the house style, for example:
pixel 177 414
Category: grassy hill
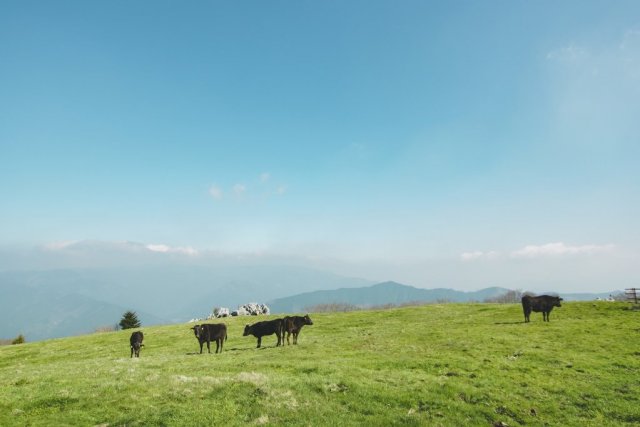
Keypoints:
pixel 454 364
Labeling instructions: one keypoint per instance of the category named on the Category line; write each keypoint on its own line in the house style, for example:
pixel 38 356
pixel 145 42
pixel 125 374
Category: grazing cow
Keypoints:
pixel 293 325
pixel 211 332
pixel 543 303
pixel 267 327
pixel 136 342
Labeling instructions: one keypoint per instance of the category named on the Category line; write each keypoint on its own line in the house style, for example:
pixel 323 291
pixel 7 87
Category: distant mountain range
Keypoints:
pixel 55 303
pixel 393 293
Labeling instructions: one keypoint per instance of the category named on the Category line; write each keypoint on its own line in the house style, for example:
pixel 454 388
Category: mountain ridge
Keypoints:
pixel 391 292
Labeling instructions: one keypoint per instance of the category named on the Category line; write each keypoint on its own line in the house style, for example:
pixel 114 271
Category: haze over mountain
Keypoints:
pixel 393 293
pixel 162 287
pixel 95 282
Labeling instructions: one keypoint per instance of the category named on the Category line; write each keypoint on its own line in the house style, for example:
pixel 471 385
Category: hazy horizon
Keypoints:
pixel 459 145
pixel 518 270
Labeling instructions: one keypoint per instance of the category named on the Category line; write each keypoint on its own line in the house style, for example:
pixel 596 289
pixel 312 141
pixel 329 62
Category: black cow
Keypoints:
pixel 211 332
pixel 293 325
pixel 267 327
pixel 543 303
pixel 136 342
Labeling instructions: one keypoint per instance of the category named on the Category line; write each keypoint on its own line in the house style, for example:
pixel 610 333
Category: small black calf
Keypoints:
pixel 136 342
pixel 293 325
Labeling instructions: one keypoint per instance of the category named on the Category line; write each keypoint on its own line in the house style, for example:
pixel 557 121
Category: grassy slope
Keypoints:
pixel 455 364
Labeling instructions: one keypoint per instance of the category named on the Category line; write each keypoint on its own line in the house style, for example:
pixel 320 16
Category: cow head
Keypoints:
pixel 136 347
pixel 247 331
pixel 307 320
pixel 197 329
pixel 556 302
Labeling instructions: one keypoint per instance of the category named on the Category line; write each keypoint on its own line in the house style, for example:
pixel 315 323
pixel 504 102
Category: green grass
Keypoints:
pixel 453 364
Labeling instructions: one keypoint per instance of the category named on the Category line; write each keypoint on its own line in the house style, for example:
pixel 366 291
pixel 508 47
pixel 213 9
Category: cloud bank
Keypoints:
pixel 559 249
pixel 547 250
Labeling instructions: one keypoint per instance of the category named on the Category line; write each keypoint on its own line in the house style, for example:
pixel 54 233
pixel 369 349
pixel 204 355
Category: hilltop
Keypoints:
pixel 451 364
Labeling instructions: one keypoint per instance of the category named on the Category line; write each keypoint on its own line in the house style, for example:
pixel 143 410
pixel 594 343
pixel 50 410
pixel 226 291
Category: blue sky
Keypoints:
pixel 377 138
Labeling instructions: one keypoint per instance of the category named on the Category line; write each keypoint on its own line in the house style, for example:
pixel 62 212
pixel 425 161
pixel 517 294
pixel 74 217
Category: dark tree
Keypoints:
pixel 129 320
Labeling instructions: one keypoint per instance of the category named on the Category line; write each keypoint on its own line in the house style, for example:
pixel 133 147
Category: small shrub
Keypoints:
pixel 509 297
pixel 18 340
pixel 129 320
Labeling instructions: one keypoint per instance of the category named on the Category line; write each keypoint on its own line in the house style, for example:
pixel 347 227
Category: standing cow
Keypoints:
pixel 211 332
pixel 136 343
pixel 293 325
pixel 542 303
pixel 267 327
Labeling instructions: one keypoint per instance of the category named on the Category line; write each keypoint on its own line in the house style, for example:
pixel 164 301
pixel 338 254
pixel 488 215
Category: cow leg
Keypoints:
pixel 259 342
pixel 201 347
pixel 209 346
pixel 288 335
pixel 280 339
pixel 131 351
pixel 295 338
pixel 217 345
pixel 221 344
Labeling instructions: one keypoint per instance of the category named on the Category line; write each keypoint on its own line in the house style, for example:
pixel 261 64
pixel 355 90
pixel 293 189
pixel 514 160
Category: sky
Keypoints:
pixel 462 144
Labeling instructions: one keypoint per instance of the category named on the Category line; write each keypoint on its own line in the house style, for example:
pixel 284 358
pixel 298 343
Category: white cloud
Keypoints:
pixel 239 189
pixel 471 256
pixel 559 249
pixel 281 190
pixel 55 246
pixel 215 192
pixel 188 250
pixel 264 177
pixel 115 246
pixel 631 40
pixel 158 248
pixel 569 53
pixel 594 94
pixel 556 249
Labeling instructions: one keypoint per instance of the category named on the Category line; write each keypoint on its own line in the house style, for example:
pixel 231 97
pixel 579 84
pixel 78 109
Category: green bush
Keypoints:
pixel 18 340
pixel 129 320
